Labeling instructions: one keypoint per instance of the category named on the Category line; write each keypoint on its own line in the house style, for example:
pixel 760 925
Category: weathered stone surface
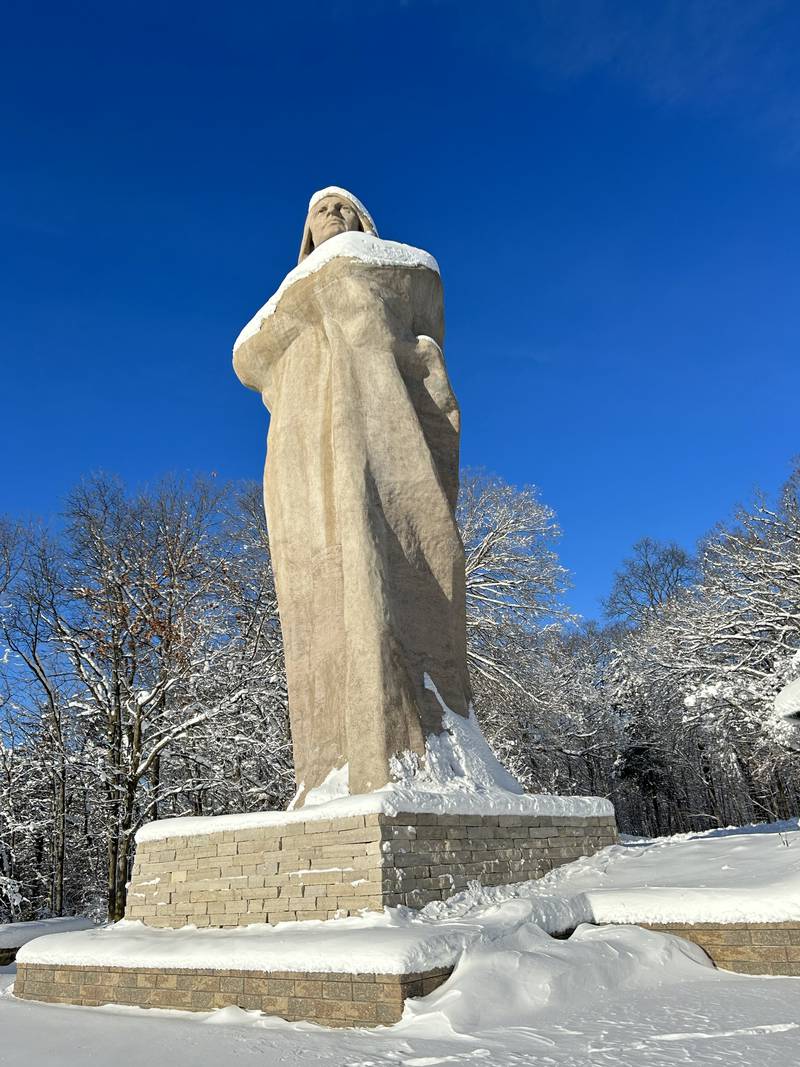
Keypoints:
pixel 749 948
pixel 323 870
pixel 336 999
pixel 360 489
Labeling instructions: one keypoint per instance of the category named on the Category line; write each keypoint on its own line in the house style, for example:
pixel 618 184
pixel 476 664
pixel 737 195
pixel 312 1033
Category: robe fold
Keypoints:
pixel 361 481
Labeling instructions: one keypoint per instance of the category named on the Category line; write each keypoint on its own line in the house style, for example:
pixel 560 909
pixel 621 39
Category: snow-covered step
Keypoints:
pixel 14 935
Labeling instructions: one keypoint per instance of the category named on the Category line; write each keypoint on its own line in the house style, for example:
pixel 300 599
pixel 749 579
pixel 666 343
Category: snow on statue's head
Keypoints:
pixel 332 211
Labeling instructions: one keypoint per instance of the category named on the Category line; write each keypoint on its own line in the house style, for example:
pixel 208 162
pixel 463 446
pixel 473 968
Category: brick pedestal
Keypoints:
pixel 747 948
pixel 333 999
pixel 325 870
pixel 286 869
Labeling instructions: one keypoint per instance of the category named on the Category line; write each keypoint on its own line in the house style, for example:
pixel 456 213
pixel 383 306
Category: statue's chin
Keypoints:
pixel 327 237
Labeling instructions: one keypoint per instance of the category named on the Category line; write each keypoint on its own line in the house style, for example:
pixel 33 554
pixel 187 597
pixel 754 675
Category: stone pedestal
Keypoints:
pixel 326 869
pixel 234 871
pixel 744 947
pixel 332 998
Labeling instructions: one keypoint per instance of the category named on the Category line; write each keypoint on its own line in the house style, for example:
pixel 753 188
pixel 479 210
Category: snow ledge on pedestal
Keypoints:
pixel 351 946
pixel 387 802
pixel 460 776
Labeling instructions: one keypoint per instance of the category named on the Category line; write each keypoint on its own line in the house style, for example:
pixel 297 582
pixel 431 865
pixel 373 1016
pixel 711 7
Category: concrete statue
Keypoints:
pixel 360 488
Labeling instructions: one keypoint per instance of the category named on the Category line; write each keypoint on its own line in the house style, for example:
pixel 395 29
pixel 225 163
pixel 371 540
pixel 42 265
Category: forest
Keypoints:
pixel 141 673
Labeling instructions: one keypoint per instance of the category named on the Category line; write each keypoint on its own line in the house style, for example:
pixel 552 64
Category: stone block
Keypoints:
pixel 767 936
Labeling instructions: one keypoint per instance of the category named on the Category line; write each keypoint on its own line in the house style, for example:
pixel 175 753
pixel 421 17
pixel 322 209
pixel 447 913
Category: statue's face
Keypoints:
pixel 330 216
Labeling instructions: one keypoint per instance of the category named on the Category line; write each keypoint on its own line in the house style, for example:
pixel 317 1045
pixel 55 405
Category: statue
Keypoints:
pixel 360 490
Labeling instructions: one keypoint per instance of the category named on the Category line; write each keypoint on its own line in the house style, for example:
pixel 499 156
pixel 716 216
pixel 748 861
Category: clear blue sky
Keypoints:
pixel 612 192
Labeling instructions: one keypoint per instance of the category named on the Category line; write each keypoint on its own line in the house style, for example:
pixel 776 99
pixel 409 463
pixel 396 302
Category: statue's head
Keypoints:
pixel 333 211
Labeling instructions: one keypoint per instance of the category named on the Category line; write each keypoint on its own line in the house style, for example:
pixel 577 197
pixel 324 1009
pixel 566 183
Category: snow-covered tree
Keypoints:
pixel 143 659
pixel 142 675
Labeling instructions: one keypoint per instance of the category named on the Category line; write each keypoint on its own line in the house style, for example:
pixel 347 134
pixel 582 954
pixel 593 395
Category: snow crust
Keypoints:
pixel 14 935
pixel 460 776
pixel 352 245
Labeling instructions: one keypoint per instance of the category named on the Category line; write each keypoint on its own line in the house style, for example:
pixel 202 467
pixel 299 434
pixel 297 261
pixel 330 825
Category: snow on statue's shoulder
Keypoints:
pixel 350 245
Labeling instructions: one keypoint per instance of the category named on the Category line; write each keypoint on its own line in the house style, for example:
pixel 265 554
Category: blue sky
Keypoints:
pixel 611 191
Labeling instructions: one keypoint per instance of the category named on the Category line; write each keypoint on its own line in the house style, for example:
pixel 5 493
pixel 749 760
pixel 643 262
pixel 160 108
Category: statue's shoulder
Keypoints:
pixel 338 255
pixel 362 248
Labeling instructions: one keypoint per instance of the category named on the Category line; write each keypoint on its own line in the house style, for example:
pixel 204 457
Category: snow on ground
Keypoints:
pixel 609 1000
pixel 606 996
pixel 744 874
pixel 13 935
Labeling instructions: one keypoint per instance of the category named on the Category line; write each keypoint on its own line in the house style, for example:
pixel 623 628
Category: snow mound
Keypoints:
pixel 503 981
pixel 351 245
pixel 335 786
pixel 459 764
pixel 787 715
pixel 787 702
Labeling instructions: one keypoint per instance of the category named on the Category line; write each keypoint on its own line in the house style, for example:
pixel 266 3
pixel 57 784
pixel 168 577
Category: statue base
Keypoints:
pixel 330 998
pixel 236 872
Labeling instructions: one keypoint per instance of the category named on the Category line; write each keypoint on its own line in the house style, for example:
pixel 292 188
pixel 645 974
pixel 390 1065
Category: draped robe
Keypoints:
pixel 361 481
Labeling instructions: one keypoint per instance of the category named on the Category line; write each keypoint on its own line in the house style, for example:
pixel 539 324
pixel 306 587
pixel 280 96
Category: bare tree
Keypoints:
pixel 146 668
pixel 515 581
pixel 648 579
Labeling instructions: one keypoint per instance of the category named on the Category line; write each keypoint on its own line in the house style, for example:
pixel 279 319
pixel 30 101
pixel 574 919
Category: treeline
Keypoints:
pixel 669 708
pixel 142 674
